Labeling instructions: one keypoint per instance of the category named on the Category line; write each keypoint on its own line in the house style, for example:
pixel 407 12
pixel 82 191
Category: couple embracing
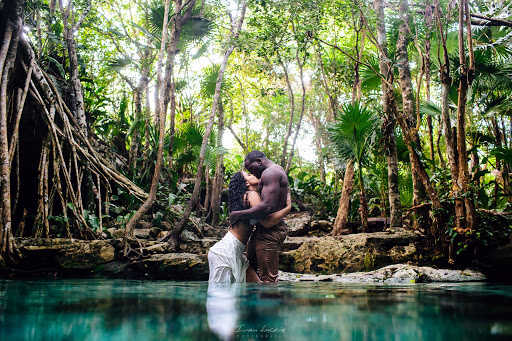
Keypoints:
pixel 256 224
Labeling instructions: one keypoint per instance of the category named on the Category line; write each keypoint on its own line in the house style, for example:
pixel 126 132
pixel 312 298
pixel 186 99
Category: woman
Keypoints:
pixel 226 258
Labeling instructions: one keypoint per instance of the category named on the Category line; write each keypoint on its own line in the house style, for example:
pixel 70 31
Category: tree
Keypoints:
pixel 388 123
pixel 11 24
pixel 353 135
pixel 236 26
pixel 165 91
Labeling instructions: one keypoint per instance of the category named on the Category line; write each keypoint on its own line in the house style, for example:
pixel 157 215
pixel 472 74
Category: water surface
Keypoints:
pixel 166 310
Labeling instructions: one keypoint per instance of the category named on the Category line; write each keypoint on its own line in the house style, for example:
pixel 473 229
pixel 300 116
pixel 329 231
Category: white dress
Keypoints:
pixel 227 261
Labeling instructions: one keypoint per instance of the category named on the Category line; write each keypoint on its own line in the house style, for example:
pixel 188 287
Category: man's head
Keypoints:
pixel 256 162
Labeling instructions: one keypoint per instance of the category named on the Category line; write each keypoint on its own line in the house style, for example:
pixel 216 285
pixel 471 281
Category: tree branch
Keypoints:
pixel 355 59
pixel 82 17
pixel 489 21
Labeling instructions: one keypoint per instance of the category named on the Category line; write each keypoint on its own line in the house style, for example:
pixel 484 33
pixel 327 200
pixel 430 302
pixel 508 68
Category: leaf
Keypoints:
pixel 429 108
pixel 117 64
pixel 504 154
pixel 58 65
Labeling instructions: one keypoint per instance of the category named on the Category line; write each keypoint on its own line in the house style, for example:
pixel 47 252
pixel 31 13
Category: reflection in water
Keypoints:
pixel 221 306
pixel 123 310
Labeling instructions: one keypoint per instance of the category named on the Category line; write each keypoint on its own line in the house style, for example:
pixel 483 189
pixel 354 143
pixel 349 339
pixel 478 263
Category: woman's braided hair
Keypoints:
pixel 237 190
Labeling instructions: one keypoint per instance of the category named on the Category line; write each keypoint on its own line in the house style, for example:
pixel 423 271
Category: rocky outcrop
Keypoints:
pixel 177 266
pixel 392 274
pixel 101 258
pixel 299 223
pixel 63 253
pixel 302 257
pixel 351 253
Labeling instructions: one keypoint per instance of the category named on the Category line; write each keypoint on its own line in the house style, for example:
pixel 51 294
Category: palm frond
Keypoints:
pixel 370 80
pixel 197 30
pixel 117 64
pixel 405 186
pixel 429 108
pixel 354 132
pixel 188 134
pixel 209 81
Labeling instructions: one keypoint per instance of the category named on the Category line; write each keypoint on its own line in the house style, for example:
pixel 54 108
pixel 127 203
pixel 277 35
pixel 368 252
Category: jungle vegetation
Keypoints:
pixel 117 111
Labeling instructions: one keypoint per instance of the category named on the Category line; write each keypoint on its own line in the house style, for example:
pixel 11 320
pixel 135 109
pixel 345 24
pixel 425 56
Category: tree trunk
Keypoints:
pixel 138 92
pixel 444 71
pixel 77 94
pixel 208 186
pixel 333 107
pixel 134 145
pixel 388 126
pixel 465 218
pixel 427 84
pixel 165 92
pixel 292 113
pixel 218 180
pixel 302 106
pixel 348 181
pixel 173 235
pixel 340 223
pixel 161 124
pixel 70 27
pixel 315 122
pixel 12 11
pixel 497 137
pixel 415 159
pixel 362 200
pixel 404 73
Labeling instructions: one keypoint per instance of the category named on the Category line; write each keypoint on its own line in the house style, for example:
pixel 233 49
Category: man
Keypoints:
pixel 264 245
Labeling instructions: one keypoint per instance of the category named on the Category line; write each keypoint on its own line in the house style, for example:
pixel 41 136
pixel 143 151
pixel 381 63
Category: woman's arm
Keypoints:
pixel 274 218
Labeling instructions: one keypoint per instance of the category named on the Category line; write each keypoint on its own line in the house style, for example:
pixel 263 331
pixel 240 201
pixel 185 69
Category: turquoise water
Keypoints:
pixel 165 310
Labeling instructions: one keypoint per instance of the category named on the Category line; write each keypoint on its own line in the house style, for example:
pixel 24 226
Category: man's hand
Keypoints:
pixel 234 217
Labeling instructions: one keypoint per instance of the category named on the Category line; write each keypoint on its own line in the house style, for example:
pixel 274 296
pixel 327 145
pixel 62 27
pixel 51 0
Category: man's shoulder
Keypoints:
pixel 274 172
pixel 274 169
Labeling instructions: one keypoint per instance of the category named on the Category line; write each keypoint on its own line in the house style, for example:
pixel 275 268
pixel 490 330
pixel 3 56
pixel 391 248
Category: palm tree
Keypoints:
pixel 352 136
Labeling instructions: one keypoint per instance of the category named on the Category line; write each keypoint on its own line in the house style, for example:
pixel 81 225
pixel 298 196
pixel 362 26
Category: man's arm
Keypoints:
pixel 269 198
pixel 274 218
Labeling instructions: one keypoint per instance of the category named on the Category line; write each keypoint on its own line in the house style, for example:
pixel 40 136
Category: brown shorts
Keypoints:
pixel 263 250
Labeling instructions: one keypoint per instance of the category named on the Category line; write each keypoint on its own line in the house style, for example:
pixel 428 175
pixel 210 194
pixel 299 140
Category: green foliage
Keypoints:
pixel 370 80
pixel 493 231
pixel 209 81
pixel 354 132
pixel 504 154
pixel 310 193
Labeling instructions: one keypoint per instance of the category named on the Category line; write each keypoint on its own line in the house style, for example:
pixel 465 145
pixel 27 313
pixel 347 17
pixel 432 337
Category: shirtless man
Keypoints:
pixel 264 245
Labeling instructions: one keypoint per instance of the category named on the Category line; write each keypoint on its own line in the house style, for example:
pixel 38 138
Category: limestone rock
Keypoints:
pixel 299 223
pixel 141 224
pixel 350 253
pixel 217 232
pixel 141 233
pixel 176 266
pixel 390 275
pixel 87 255
pixel 115 269
pixel 199 246
pixel 188 236
pixel 320 227
pixel 293 243
pixel 117 233
pixel 65 253
pixel 403 276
